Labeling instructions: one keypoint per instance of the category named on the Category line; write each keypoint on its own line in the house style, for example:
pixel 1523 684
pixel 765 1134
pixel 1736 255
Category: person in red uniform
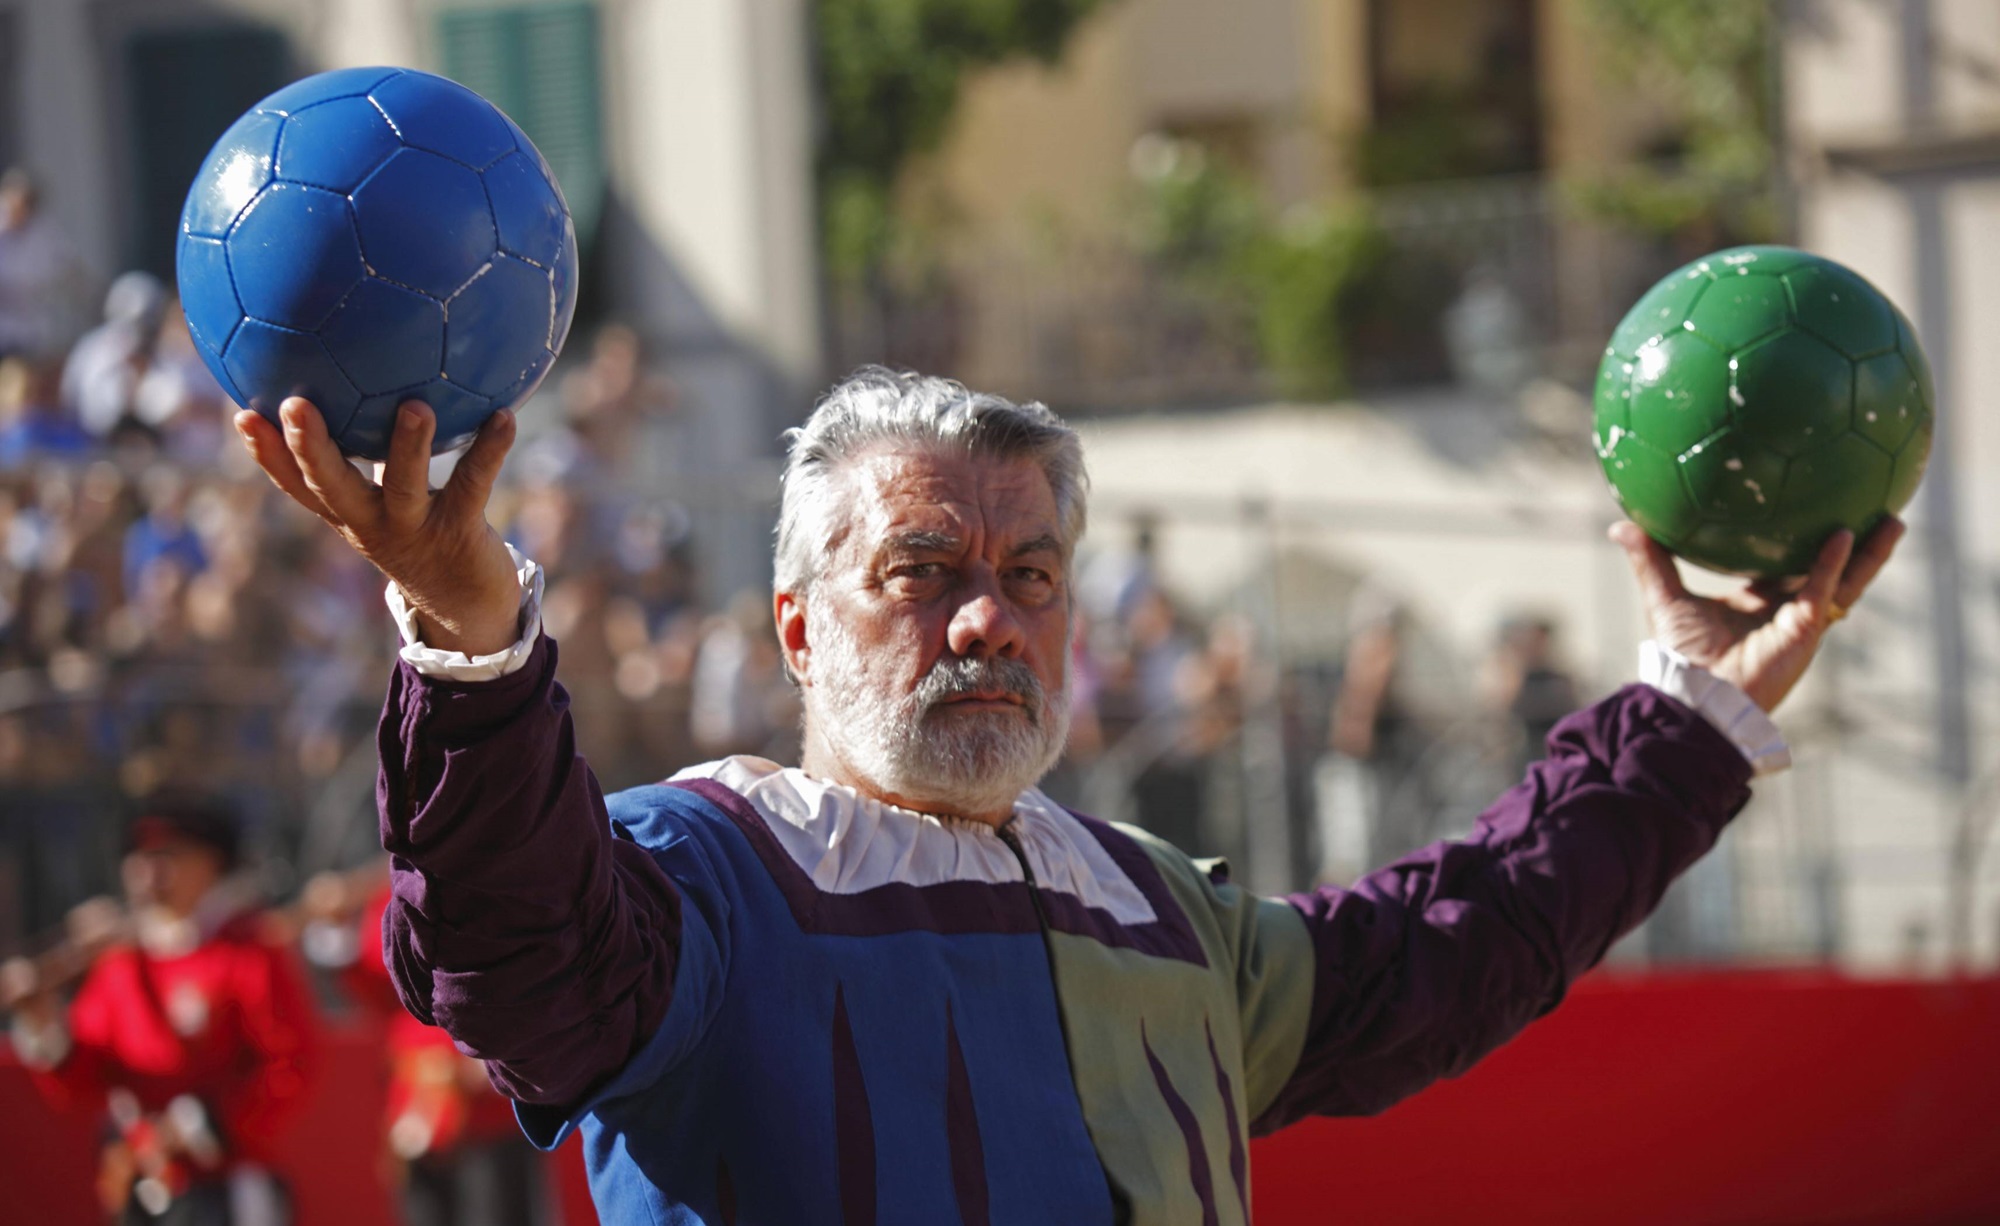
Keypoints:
pixel 191 1031
pixel 455 1154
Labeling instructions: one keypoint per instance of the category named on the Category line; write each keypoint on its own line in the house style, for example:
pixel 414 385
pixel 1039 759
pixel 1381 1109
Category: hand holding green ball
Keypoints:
pixel 1757 401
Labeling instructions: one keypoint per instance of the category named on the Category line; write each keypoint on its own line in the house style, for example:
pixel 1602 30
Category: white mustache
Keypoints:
pixel 952 676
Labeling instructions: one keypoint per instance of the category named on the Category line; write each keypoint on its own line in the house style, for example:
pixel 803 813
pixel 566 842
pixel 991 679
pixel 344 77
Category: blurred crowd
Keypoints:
pixel 1302 767
pixel 168 620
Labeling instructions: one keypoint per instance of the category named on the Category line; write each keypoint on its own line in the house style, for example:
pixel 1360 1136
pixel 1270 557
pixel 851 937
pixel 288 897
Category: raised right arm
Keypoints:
pixel 519 923
pixel 543 944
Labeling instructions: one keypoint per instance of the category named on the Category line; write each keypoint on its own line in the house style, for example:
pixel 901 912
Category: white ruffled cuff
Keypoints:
pixel 456 665
pixel 1720 703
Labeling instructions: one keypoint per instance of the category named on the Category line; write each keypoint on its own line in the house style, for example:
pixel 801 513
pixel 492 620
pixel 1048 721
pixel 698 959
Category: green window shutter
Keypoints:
pixel 539 63
pixel 10 88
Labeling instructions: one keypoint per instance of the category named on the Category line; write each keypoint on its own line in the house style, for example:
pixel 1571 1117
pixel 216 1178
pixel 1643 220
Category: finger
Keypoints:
pixel 1870 556
pixel 472 481
pixel 1659 580
pixel 348 497
pixel 1817 595
pixel 406 478
pixel 1778 588
pixel 267 446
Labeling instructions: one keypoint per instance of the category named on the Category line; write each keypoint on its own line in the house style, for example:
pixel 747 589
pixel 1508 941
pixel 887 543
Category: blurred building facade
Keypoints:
pixel 1893 130
pixel 1457 120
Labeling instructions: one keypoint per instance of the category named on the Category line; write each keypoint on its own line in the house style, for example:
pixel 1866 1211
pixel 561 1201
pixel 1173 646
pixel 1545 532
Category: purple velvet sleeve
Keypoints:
pixel 541 942
pixel 1426 965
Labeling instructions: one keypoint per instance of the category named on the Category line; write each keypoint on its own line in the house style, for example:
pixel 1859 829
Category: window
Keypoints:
pixel 538 63
pixel 185 87
pixel 1455 91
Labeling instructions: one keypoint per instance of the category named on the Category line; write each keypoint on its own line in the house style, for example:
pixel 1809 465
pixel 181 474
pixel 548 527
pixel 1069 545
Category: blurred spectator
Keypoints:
pixel 1526 684
pixel 1149 690
pixel 33 424
pixel 650 551
pixel 163 533
pixel 1486 332
pixel 1113 581
pixel 551 522
pixel 449 1140
pixel 39 273
pixel 1373 793
pixel 190 1031
pixel 178 399
pixel 741 702
pixel 93 553
pixel 612 398
pixel 101 380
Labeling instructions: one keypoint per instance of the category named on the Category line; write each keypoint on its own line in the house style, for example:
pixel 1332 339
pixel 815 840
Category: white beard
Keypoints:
pixel 908 746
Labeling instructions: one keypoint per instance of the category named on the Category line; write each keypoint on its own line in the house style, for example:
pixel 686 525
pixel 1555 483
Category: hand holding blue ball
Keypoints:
pixel 370 236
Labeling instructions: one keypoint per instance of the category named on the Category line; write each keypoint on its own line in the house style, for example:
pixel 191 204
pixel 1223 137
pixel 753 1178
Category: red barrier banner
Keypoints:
pixel 1700 1099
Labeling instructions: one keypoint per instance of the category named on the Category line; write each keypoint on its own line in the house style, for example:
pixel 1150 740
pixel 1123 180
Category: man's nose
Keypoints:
pixel 985 626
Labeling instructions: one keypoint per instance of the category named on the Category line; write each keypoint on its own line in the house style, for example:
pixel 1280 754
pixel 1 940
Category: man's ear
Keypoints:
pixel 788 611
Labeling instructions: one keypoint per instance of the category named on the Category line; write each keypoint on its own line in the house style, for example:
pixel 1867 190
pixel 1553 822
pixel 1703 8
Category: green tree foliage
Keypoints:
pixel 1307 273
pixel 1708 61
pixel 1300 273
pixel 889 76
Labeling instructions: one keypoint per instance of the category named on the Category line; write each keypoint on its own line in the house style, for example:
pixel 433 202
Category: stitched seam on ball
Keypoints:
pixel 348 420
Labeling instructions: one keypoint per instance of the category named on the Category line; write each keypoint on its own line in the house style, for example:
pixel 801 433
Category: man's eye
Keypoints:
pixel 1030 574
pixel 920 570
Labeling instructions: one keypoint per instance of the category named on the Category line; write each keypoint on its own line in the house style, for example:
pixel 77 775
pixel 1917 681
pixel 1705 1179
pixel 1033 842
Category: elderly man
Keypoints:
pixel 897 983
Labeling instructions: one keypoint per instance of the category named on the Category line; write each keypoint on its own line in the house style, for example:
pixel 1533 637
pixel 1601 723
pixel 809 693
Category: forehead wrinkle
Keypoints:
pixel 917 498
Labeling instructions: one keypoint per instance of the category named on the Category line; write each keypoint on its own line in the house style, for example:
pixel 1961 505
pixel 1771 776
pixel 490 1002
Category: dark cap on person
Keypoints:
pixel 164 819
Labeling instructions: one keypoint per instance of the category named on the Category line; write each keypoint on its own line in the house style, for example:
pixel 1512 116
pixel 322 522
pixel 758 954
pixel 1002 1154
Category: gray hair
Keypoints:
pixel 875 406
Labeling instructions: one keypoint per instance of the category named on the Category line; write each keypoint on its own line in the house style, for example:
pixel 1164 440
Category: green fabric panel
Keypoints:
pixel 1108 995
pixel 1264 944
pixel 1274 987
pixel 1253 997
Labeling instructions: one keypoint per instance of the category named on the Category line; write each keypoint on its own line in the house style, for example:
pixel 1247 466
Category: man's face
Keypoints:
pixel 171 876
pixel 934 645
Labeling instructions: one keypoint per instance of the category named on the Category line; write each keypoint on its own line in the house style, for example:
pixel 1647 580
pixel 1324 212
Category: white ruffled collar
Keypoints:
pixel 847 842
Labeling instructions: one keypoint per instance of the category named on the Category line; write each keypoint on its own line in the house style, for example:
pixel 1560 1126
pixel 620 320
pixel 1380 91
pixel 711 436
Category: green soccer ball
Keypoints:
pixel 1755 402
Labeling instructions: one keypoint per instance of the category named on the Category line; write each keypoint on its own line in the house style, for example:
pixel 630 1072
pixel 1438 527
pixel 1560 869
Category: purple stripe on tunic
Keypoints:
pixel 1238 1166
pixel 1197 1150
pixel 961 1130
pixel 956 907
pixel 1170 935
pixel 853 1123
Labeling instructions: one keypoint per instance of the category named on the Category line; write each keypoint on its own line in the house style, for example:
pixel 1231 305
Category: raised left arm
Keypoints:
pixel 1428 964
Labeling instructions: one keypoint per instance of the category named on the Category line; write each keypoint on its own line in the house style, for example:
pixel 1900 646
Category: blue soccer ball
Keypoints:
pixel 374 235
